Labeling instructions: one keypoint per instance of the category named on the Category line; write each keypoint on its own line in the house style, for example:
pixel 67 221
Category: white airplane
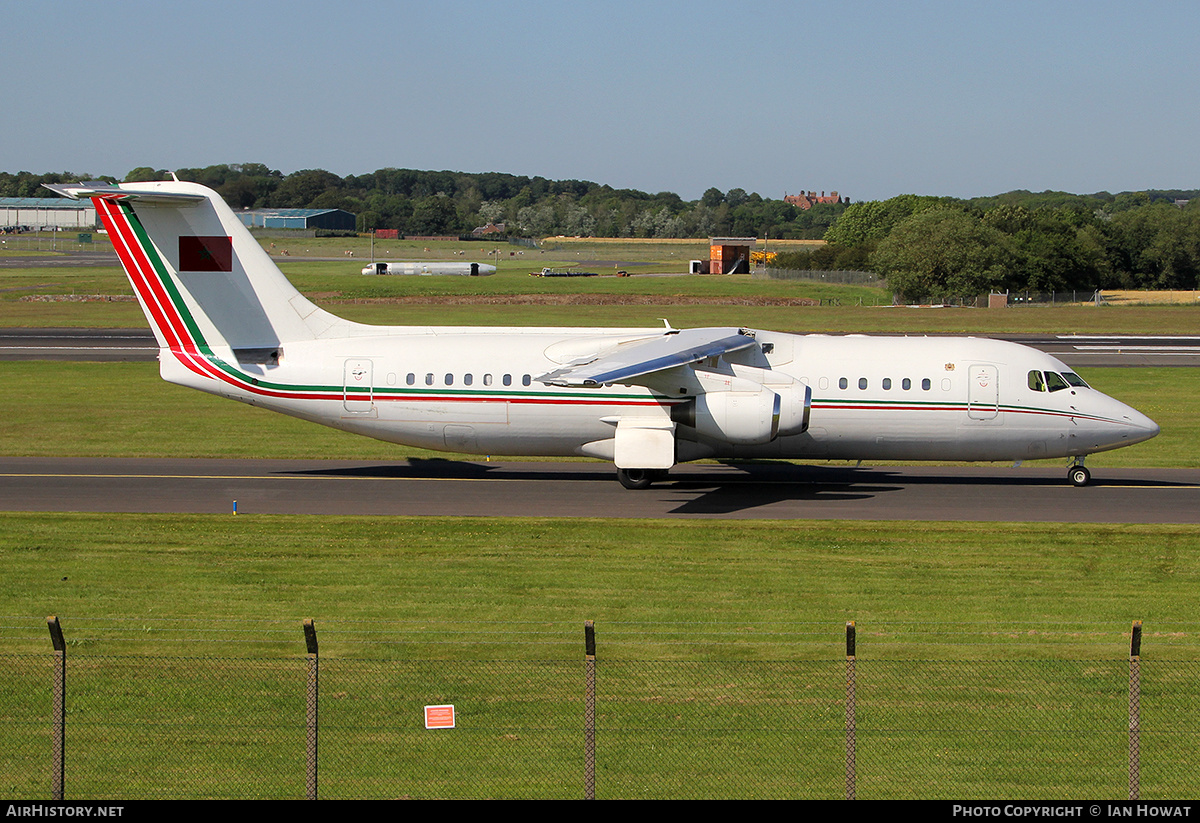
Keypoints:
pixel 468 269
pixel 228 322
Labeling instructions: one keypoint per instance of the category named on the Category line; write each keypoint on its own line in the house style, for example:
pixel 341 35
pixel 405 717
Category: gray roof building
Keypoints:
pixel 39 212
pixel 334 219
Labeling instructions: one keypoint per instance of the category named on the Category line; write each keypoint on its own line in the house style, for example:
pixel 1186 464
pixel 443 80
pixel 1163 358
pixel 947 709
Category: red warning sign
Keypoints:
pixel 439 717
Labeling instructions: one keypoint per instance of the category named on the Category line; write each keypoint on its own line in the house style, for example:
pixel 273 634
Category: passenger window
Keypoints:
pixel 925 384
pixel 525 380
pixel 1035 381
pixel 906 384
pixel 449 380
pixel 862 382
pixel 429 379
pixel 1054 381
pixel 487 380
pixel 411 379
pixel 468 379
pixel 887 384
pixel 843 383
pixel 508 380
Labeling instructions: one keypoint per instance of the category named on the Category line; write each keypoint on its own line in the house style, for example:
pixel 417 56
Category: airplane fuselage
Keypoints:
pixel 474 390
pixel 430 268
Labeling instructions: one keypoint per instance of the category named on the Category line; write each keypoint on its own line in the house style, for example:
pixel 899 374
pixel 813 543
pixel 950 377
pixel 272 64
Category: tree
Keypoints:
pixel 735 197
pixel 298 190
pixel 872 220
pixel 434 216
pixel 143 174
pixel 491 211
pixel 712 198
pixel 941 253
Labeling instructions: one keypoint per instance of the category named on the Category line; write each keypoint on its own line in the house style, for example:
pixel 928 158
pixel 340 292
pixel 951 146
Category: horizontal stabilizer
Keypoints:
pixel 108 191
pixel 676 348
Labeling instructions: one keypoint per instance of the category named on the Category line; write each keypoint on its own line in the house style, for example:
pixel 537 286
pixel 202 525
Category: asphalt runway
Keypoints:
pixel 80 345
pixel 583 489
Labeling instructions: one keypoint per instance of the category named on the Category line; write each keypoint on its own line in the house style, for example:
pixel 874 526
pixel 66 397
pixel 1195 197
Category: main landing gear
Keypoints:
pixel 1077 475
pixel 637 479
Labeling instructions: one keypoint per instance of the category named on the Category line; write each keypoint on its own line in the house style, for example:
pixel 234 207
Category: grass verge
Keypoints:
pixel 415 587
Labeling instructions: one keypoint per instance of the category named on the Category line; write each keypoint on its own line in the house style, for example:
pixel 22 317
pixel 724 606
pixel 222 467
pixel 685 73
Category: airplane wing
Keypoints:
pixel 675 348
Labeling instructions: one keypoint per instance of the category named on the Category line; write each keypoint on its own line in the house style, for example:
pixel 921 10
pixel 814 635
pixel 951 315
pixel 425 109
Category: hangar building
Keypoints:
pixel 331 219
pixel 39 212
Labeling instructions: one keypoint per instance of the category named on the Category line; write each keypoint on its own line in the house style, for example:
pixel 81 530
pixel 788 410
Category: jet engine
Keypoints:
pixel 745 412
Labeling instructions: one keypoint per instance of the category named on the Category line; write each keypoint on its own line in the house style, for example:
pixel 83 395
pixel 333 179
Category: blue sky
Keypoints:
pixel 871 99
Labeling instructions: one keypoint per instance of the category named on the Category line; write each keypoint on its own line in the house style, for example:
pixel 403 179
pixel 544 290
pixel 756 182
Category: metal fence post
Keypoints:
pixel 851 718
pixel 58 732
pixel 310 640
pixel 1135 710
pixel 589 714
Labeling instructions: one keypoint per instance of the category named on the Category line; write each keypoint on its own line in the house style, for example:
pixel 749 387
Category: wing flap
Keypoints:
pixel 673 349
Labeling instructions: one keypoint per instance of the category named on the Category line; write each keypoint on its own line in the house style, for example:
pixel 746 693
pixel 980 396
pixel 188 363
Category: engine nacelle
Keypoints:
pixel 744 417
pixel 739 408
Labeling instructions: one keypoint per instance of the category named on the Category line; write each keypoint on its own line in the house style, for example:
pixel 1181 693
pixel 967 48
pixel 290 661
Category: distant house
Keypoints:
pixel 490 228
pixel 331 219
pixel 809 199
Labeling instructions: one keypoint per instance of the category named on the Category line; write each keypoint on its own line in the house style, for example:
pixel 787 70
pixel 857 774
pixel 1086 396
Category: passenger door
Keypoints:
pixel 358 393
pixel 983 392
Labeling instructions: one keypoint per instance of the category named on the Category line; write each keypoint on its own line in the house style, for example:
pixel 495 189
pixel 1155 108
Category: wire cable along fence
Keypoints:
pixel 589 725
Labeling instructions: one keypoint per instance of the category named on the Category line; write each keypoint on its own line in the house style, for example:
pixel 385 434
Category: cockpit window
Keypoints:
pixel 1036 382
pixel 1055 382
pixel 1074 379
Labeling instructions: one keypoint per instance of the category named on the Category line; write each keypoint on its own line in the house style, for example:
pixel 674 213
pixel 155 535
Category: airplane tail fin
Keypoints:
pixel 203 281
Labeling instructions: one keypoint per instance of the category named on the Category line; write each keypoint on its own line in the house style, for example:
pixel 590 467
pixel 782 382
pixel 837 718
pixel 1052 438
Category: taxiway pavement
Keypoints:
pixel 582 489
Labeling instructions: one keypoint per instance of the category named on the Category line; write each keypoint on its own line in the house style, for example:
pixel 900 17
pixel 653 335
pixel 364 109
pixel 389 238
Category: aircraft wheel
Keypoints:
pixel 635 478
pixel 1079 476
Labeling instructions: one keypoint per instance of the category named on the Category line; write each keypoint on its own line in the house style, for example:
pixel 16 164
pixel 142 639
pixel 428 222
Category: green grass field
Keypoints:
pixel 521 588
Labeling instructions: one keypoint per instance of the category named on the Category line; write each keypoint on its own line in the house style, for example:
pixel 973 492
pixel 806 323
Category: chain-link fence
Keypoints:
pixel 64 241
pixel 1066 297
pixel 79 725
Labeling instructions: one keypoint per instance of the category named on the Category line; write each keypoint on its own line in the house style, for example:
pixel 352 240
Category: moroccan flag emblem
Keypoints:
pixel 206 254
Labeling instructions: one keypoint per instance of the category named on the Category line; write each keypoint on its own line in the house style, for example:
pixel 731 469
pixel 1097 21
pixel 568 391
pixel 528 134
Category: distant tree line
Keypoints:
pixel 453 203
pixel 933 247
pixel 924 246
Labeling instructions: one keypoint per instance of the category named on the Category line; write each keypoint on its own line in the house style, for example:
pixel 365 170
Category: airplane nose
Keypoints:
pixel 1113 426
pixel 484 268
pixel 1139 427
